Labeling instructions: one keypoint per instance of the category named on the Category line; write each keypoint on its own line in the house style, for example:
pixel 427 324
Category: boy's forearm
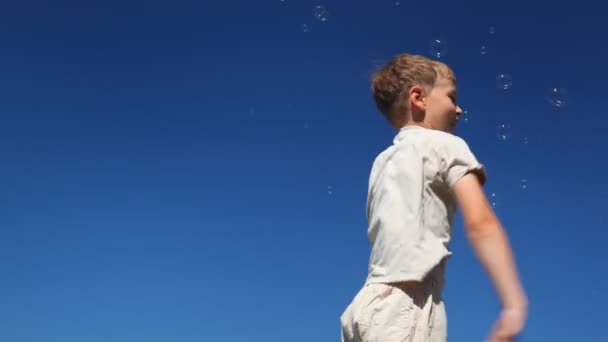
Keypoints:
pixel 492 247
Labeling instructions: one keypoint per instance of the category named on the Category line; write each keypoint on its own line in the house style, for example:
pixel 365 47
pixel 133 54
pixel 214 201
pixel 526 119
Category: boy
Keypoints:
pixel 415 187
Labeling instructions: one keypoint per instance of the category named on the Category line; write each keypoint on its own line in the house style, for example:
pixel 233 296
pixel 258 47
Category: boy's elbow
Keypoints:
pixel 483 229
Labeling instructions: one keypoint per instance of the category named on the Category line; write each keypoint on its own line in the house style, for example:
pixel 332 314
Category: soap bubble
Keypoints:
pixel 503 131
pixel 466 116
pixel 523 184
pixel 557 97
pixel 438 48
pixel 493 200
pixel 504 81
pixel 321 13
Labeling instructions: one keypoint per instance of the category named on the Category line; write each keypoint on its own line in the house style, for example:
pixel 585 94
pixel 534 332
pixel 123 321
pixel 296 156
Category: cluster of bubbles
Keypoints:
pixel 493 198
pixel 556 97
pixel 320 13
pixel 439 46
pixel 483 49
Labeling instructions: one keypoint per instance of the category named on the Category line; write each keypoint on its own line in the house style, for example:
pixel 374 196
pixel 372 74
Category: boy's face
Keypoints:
pixel 440 108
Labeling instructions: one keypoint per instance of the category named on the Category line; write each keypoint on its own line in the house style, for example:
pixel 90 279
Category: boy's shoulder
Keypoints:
pixel 444 136
pixel 435 143
pixel 431 138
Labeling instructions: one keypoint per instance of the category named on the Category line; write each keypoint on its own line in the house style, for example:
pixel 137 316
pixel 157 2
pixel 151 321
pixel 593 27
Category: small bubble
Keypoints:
pixel 305 28
pixel 492 30
pixel 493 200
pixel 321 13
pixel 504 81
pixel 557 97
pixel 523 184
pixel 438 48
pixel 397 3
pixel 503 131
pixel 466 116
pixel 330 190
pixel 525 140
pixel 483 50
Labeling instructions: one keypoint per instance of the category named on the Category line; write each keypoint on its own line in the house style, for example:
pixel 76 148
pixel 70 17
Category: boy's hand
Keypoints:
pixel 509 325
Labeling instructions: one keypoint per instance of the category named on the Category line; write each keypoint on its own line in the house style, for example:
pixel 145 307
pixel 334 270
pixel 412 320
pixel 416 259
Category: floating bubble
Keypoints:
pixel 524 140
pixel 492 30
pixel 557 97
pixel 523 184
pixel 503 131
pixel 438 48
pixel 397 3
pixel 504 81
pixel 483 50
pixel 466 116
pixel 305 28
pixel 330 190
pixel 493 200
pixel 321 13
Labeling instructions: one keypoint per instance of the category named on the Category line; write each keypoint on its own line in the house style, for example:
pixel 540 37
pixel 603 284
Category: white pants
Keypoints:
pixel 387 313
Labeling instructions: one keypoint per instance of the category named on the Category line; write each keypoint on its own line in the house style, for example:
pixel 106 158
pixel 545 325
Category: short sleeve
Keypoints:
pixel 458 160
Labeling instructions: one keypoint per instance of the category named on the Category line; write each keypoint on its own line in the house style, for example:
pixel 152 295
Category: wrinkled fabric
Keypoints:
pixel 390 313
pixel 410 204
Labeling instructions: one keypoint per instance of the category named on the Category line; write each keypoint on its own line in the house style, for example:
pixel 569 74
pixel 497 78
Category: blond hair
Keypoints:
pixel 398 76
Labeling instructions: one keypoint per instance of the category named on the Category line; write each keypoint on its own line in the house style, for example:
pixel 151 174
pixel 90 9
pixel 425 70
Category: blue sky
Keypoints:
pixel 197 171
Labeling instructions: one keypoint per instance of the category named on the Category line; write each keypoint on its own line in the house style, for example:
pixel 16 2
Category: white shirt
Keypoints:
pixel 410 203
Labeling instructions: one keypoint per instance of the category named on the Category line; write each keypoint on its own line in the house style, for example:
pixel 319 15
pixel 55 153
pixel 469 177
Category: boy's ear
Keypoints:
pixel 417 98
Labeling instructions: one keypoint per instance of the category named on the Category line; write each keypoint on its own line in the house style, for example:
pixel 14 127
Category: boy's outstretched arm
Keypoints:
pixel 491 245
